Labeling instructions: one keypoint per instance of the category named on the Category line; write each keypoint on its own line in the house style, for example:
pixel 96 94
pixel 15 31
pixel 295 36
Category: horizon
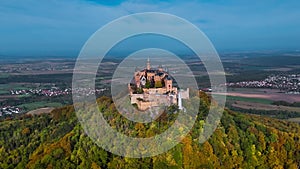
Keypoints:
pixel 221 54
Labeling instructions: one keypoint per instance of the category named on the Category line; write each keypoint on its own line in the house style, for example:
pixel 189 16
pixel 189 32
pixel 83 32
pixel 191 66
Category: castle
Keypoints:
pixel 153 88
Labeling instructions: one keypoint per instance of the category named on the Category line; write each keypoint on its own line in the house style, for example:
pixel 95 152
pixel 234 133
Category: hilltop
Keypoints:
pixel 56 140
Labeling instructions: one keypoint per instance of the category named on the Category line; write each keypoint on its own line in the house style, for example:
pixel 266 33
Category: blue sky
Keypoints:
pixel 61 27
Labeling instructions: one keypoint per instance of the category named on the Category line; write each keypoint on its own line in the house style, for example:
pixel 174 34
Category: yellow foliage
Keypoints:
pixel 25 131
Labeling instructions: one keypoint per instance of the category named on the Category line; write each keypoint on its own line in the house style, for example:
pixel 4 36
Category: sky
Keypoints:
pixel 61 27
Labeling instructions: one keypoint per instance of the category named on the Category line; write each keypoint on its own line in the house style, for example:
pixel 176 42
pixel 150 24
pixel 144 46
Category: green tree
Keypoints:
pixel 148 84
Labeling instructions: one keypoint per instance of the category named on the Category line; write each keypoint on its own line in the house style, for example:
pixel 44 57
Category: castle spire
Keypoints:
pixel 148 64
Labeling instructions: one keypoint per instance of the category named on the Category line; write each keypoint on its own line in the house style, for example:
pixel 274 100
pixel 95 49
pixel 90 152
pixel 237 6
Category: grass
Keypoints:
pixel 4 92
pixel 5 88
pixel 36 105
pixel 267 107
pixel 13 86
pixel 246 99
pixel 24 95
pixel 4 75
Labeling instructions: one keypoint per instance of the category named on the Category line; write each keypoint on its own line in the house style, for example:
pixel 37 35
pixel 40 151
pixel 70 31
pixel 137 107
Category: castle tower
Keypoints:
pixel 137 79
pixel 148 64
pixel 168 84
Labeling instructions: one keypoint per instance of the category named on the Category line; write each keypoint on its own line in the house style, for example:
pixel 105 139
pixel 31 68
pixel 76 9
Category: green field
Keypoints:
pixel 246 99
pixel 13 86
pixel 4 75
pixel 5 88
pixel 24 95
pixel 36 105
pixel 3 92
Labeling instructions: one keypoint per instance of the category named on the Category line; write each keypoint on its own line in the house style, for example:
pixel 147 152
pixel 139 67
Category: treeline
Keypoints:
pixel 284 103
pixel 240 141
pixel 278 114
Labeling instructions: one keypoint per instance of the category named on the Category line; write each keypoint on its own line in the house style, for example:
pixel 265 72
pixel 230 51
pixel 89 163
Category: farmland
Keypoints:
pixel 34 83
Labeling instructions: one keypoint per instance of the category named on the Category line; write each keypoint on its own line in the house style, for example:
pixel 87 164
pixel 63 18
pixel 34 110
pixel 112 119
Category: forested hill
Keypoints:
pixel 56 140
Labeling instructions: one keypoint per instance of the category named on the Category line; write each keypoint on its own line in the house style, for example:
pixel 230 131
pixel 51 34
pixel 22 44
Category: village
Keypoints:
pixel 9 110
pixel 55 91
pixel 288 83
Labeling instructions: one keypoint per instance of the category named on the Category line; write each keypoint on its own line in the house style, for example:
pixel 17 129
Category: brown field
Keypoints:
pixel 269 94
pixel 260 106
pixel 53 66
pixel 40 111
pixel 43 72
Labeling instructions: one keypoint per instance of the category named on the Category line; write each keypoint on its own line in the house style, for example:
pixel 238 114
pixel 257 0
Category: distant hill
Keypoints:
pixel 56 140
pixel 277 60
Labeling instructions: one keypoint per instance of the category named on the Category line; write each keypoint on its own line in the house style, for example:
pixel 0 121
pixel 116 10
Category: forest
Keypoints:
pixel 57 140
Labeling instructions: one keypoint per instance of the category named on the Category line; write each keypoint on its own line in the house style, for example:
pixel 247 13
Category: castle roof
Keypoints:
pixel 168 77
pixel 159 73
pixel 151 70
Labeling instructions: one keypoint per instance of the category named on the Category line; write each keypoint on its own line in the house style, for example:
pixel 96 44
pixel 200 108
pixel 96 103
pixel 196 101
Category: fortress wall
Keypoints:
pixel 185 94
pixel 143 105
pixel 157 90
pixel 134 98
